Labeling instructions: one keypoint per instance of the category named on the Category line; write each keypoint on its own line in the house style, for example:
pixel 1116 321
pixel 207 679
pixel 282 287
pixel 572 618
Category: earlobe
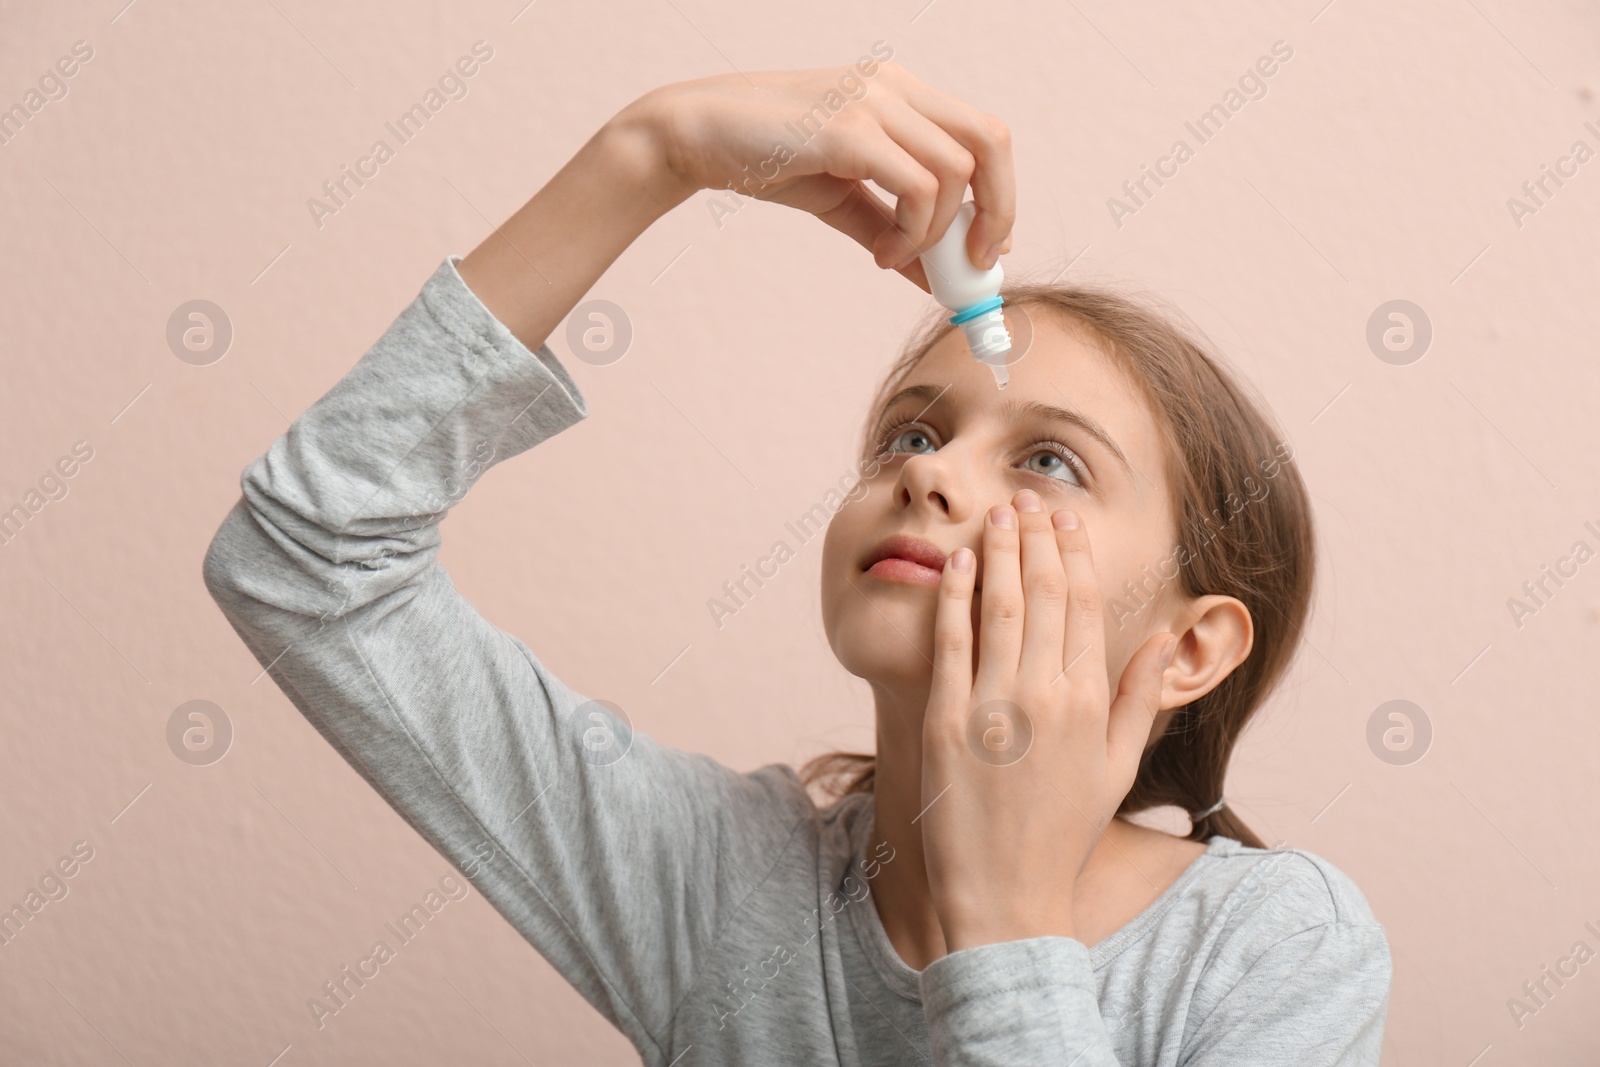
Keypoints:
pixel 1218 639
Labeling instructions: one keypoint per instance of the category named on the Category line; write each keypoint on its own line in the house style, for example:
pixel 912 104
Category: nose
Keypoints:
pixel 928 481
pixel 936 483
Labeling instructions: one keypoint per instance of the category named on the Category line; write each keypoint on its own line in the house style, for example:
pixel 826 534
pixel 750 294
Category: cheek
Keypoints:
pixel 836 540
pixel 1119 650
pixel 1120 610
pixel 841 545
pixel 850 525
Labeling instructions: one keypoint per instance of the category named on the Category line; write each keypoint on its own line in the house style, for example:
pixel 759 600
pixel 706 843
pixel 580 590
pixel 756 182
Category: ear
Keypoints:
pixel 1218 637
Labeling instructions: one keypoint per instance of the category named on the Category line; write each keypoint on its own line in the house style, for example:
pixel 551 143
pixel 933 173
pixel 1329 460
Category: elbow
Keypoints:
pixel 239 572
pixel 266 583
pixel 220 569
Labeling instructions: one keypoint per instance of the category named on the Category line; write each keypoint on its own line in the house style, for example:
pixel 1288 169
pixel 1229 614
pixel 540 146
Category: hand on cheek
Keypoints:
pixel 1026 753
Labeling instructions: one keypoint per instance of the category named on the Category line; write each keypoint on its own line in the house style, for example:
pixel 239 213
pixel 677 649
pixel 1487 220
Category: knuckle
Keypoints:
pixel 1050 586
pixel 949 642
pixel 958 165
pixel 1086 601
pixel 1034 695
pixel 899 74
pixel 1002 608
pixel 996 131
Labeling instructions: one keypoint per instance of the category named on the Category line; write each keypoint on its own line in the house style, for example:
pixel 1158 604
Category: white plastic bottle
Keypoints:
pixel 973 294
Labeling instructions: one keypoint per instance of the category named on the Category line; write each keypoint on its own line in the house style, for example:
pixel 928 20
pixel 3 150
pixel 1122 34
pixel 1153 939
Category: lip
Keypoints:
pixel 902 558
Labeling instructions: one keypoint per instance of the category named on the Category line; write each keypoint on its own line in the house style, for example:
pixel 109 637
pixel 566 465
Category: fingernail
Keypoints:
pixel 962 560
pixel 1065 520
pixel 1027 500
pixel 994 252
pixel 1002 516
pixel 1166 657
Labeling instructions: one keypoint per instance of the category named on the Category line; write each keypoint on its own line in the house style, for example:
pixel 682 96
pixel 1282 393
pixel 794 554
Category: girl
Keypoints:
pixel 1068 597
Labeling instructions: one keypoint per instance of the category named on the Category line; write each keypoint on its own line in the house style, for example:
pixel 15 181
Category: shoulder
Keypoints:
pixel 1285 887
pixel 1255 948
pixel 1234 902
pixel 1262 908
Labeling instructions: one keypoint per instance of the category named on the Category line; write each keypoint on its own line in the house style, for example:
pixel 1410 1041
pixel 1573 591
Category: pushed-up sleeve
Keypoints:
pixel 617 857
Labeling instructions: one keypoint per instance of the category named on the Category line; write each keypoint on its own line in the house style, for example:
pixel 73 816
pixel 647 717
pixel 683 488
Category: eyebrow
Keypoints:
pixel 1018 411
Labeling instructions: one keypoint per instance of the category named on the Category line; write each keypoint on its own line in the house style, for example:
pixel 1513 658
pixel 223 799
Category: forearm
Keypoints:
pixel 532 270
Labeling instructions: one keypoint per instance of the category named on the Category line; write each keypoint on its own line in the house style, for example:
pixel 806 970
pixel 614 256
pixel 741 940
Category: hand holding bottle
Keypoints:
pixel 923 146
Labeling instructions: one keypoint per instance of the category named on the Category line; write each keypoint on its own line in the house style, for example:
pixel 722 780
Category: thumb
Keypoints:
pixel 1138 698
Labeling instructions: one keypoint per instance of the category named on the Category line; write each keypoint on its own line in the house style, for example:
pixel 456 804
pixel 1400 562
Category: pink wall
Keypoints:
pixel 178 166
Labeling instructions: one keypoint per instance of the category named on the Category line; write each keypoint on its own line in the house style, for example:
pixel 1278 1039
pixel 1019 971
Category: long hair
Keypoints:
pixel 1243 530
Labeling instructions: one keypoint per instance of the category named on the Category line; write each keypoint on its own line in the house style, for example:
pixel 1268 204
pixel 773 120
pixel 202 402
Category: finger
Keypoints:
pixel 952 637
pixel 915 272
pixel 1084 638
pixel 942 156
pixel 994 183
pixel 1000 614
pixel 1044 592
pixel 866 151
pixel 914 187
pixel 1133 713
pixel 863 216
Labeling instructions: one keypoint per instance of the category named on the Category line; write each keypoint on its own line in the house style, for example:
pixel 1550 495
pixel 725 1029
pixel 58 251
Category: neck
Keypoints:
pixel 900 891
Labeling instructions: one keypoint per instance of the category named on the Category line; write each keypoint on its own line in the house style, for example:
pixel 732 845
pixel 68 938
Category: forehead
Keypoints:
pixel 1063 364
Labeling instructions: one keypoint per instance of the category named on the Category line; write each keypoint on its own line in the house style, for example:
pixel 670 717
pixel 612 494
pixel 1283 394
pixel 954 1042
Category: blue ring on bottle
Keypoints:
pixel 975 310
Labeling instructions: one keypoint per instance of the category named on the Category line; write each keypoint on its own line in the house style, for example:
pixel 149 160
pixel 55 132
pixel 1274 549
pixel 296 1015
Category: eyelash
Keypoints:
pixel 1068 457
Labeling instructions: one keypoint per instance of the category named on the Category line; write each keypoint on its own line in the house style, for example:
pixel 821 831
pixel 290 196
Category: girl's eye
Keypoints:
pixel 1053 460
pixel 1050 458
pixel 907 436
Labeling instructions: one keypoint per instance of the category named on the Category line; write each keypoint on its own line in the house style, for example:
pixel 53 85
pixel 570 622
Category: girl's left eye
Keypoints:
pixel 1056 458
pixel 1049 458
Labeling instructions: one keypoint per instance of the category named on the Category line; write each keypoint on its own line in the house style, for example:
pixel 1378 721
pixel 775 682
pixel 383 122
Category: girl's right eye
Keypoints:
pixel 907 436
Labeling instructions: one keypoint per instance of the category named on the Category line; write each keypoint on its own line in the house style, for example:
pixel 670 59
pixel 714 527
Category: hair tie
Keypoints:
pixel 1196 816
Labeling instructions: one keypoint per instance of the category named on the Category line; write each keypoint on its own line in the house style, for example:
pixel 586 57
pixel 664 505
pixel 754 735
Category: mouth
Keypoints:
pixel 906 559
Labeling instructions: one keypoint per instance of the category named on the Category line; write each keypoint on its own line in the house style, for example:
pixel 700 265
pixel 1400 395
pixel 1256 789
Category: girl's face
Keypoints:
pixel 1067 426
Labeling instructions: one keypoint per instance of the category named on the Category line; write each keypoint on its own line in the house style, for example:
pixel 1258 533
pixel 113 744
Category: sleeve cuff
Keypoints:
pixel 966 977
pixel 459 311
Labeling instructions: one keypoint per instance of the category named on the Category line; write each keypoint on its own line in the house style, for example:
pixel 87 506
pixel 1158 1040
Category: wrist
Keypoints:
pixel 991 926
pixel 532 270
pixel 640 137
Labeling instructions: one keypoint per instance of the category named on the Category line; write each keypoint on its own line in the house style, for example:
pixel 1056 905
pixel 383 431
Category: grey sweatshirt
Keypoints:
pixel 713 916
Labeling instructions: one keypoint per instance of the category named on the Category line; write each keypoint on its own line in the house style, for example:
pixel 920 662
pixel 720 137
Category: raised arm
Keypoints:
pixel 532 270
pixel 618 858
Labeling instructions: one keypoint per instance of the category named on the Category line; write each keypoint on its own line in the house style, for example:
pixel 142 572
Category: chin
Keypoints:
pixel 885 640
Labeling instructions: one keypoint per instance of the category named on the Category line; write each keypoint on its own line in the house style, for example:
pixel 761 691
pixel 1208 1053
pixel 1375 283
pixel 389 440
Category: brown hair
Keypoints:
pixel 1235 491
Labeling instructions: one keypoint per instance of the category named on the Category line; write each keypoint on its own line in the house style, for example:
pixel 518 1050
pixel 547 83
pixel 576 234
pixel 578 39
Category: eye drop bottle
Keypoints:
pixel 973 294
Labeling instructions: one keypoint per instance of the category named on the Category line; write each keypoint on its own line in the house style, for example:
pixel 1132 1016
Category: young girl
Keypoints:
pixel 1068 597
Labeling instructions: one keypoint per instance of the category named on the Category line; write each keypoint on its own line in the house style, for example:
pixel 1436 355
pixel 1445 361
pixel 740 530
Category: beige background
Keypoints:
pixel 178 166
